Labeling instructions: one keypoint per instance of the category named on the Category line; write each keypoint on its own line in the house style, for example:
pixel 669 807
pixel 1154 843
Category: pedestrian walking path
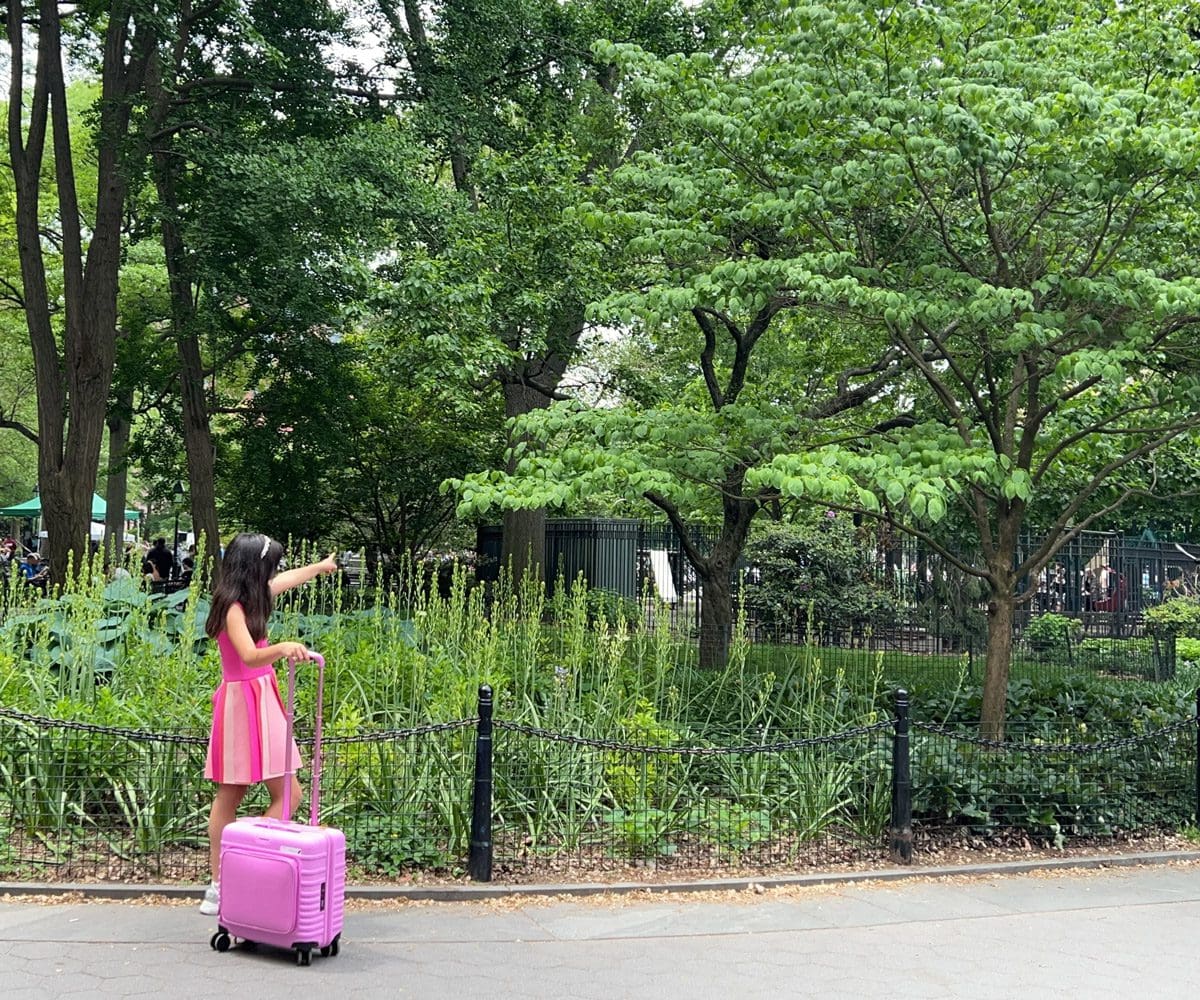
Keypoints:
pixel 1115 933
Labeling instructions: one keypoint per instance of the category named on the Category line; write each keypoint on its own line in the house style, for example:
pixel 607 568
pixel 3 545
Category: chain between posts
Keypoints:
pixel 138 735
pixel 384 736
pixel 144 736
pixel 748 748
pixel 1118 743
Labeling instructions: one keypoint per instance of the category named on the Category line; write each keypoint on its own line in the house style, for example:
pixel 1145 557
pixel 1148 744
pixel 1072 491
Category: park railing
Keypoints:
pixel 487 797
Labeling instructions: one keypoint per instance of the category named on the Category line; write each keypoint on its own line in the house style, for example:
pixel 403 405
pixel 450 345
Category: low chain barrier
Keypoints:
pixel 183 739
pixel 89 800
pixel 123 732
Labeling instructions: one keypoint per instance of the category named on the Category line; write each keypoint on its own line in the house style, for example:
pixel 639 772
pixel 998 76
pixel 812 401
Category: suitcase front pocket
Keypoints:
pixel 260 891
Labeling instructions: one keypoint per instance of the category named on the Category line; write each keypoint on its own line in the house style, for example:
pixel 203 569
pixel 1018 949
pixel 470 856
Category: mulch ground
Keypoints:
pixel 98 864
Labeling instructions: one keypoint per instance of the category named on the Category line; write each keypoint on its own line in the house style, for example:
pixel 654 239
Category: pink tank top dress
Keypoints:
pixel 249 727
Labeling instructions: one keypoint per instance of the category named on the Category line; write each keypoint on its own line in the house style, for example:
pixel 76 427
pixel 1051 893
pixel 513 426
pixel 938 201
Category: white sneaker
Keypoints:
pixel 211 905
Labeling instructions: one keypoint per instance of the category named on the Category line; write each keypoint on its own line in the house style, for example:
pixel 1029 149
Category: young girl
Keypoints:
pixel 246 745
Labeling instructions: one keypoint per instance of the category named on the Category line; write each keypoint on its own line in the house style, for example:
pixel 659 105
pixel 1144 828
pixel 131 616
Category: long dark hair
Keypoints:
pixel 249 562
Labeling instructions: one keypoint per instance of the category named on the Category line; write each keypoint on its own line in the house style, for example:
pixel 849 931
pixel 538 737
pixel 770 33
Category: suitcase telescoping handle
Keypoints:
pixel 314 804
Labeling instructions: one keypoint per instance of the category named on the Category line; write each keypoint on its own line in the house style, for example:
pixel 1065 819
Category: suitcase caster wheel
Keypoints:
pixel 304 957
pixel 220 941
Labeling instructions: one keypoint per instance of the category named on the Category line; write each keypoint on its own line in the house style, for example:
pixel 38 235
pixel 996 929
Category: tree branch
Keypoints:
pixel 694 555
pixel 709 351
pixel 22 429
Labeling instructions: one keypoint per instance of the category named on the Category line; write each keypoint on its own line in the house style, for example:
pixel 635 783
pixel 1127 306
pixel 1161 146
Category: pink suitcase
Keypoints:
pixel 284 883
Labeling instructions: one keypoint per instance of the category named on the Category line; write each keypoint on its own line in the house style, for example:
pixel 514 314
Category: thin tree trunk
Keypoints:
pixel 201 458
pixel 116 489
pixel 1001 609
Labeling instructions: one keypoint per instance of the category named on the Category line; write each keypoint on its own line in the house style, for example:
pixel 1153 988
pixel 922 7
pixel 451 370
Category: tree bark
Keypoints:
pixel 523 545
pixel 1001 614
pixel 533 387
pixel 716 616
pixel 715 568
pixel 716 572
pixel 201 458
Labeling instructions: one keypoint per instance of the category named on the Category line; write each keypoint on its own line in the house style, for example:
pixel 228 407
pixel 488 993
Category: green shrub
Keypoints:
pixel 1187 650
pixel 611 607
pixel 1178 616
pixel 815 574
pixel 1051 632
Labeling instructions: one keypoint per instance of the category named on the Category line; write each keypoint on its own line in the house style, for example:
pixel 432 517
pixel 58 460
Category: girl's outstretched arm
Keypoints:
pixel 302 574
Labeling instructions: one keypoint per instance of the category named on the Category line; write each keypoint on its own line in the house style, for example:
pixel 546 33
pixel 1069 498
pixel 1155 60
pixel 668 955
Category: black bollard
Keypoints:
pixel 1198 759
pixel 479 860
pixel 900 834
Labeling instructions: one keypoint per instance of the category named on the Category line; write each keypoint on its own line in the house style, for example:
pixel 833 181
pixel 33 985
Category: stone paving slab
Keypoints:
pixel 1117 933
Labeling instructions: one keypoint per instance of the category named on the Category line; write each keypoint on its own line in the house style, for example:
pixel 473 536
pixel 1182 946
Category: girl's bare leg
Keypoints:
pixel 275 787
pixel 224 811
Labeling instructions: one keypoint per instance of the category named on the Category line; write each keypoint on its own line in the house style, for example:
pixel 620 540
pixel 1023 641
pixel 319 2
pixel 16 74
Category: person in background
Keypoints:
pixel 8 557
pixel 36 575
pixel 162 559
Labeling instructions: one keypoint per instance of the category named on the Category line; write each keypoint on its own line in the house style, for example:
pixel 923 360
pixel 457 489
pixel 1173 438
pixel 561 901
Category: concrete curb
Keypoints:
pixel 475 892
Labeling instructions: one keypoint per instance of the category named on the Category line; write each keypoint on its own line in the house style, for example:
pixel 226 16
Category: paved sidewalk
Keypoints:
pixel 1089 934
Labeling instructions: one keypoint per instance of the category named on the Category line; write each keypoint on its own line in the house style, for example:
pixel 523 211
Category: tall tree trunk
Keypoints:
pixel 197 429
pixel 116 489
pixel 530 388
pixel 72 384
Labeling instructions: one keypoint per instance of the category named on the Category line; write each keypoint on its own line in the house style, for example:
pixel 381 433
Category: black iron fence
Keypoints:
pixel 482 796
pixel 1103 579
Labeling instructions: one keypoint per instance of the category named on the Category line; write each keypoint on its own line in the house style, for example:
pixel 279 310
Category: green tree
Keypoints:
pixel 521 118
pixel 739 375
pixel 1005 199
pixel 365 464
pixel 1010 194
pixel 247 87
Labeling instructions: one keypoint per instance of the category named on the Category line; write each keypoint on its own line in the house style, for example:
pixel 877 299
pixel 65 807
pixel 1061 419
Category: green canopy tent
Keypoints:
pixel 33 508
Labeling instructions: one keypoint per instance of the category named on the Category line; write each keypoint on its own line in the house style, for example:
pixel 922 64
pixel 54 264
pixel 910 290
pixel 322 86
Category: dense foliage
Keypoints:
pixel 816 576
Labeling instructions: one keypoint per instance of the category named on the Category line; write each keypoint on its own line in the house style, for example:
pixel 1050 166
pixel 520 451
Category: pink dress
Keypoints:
pixel 249 726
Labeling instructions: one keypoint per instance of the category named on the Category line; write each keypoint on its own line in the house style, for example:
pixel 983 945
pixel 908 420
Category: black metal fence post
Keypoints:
pixel 479 860
pixel 900 833
pixel 1198 758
